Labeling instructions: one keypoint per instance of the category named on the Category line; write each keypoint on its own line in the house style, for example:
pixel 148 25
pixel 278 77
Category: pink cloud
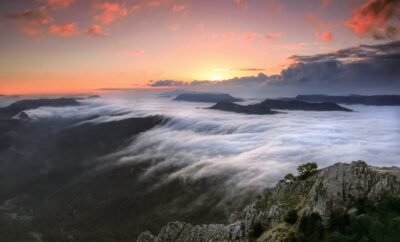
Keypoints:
pixel 372 16
pixel 324 36
pixel 59 3
pixel 96 30
pixel 174 27
pixel 178 8
pixel 322 29
pixel 273 35
pixel 136 52
pixel 65 30
pixel 110 12
pixel 32 21
pixel 326 3
pixel 250 36
pixel 229 35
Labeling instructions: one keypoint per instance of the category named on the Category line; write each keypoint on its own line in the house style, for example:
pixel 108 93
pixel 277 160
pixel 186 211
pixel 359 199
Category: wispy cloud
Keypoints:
pixel 110 12
pixel 96 30
pixel 179 7
pixel 65 30
pixel 321 29
pixel 32 21
pixel 60 3
pixel 273 35
pixel 325 36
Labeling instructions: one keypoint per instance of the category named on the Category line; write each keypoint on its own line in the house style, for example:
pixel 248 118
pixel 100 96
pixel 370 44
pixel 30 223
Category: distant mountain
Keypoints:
pixel 377 100
pixel 207 97
pixel 175 93
pixel 248 109
pixel 301 105
pixel 19 106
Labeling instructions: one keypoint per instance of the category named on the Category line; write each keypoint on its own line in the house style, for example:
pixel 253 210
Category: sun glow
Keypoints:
pixel 219 74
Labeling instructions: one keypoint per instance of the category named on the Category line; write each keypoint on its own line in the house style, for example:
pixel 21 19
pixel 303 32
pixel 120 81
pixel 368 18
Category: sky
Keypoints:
pixel 63 46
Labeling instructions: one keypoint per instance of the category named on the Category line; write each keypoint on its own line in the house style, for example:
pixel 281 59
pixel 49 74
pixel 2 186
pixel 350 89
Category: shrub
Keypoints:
pixel 306 170
pixel 256 230
pixel 291 217
pixel 339 220
pixel 311 225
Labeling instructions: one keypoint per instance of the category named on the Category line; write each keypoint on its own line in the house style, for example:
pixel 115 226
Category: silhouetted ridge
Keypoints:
pixel 378 100
pixel 207 97
pixel 19 106
pixel 300 105
pixel 248 109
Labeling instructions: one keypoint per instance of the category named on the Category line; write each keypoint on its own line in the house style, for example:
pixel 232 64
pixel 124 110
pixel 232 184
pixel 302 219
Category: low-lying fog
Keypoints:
pixel 254 150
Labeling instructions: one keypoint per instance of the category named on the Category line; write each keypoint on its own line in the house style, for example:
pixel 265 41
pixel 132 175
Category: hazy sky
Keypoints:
pixel 82 45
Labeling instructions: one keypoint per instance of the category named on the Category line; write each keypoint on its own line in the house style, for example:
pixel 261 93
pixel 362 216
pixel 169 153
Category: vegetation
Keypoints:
pixel 371 223
pixel 307 170
pixel 289 178
pixel 291 217
pixel 256 230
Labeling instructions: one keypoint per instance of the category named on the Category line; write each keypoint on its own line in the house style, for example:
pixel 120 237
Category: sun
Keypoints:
pixel 218 74
pixel 216 77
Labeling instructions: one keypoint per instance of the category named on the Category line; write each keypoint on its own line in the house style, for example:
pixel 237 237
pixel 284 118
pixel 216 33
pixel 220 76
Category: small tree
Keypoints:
pixel 306 170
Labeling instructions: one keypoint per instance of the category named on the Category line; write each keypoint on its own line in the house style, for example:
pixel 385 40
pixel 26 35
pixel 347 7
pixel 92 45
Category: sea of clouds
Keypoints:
pixel 251 150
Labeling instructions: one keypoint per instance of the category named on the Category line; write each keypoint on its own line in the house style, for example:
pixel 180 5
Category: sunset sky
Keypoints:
pixel 59 46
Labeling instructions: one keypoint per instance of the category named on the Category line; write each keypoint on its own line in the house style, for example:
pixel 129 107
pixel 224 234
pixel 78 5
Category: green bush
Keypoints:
pixel 372 223
pixel 311 225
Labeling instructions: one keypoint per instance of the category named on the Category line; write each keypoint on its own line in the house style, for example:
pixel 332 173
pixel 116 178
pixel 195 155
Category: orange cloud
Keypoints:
pixel 110 12
pixel 273 35
pixel 65 30
pixel 324 36
pixel 32 21
pixel 59 3
pixel 96 30
pixel 372 16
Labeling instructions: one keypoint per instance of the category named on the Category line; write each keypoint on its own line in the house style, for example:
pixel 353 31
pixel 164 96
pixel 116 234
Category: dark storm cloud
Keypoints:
pixel 371 65
pixel 372 68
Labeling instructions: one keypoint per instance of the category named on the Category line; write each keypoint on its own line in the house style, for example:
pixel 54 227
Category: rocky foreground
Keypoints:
pixel 338 187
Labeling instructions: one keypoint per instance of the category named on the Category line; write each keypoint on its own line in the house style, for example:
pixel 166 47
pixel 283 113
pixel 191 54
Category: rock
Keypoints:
pixel 337 186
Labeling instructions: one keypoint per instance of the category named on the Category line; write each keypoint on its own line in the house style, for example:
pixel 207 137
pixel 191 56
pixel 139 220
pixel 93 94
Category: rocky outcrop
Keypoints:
pixel 334 187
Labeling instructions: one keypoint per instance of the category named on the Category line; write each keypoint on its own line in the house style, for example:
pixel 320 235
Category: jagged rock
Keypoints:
pixel 337 186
